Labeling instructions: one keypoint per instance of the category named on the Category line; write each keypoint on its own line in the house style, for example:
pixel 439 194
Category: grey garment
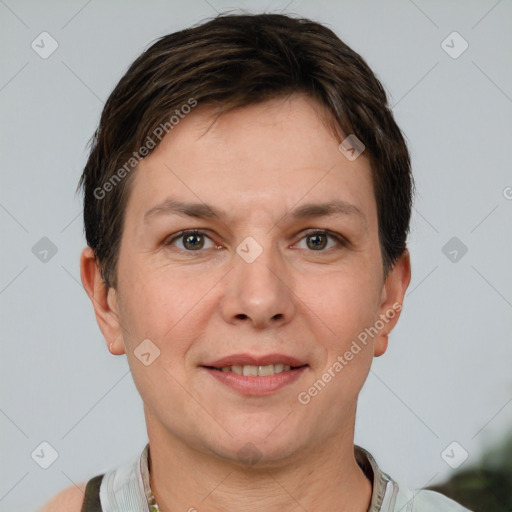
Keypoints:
pixel 126 489
pixel 388 496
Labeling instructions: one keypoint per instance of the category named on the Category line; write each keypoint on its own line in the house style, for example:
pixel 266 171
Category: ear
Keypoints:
pixel 392 298
pixel 104 301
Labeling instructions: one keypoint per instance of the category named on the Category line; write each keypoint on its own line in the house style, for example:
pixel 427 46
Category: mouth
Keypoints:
pixel 256 375
pixel 256 370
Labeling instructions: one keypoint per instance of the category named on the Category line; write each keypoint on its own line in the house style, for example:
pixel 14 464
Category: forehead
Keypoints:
pixel 270 156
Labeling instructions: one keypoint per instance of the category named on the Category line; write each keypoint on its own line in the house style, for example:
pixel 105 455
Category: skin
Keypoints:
pixel 256 164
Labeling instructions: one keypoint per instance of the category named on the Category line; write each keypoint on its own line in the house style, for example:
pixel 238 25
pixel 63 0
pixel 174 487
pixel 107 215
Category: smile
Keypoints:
pixel 257 371
pixel 250 380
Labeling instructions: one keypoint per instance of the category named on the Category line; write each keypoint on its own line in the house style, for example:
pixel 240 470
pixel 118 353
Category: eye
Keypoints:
pixel 194 240
pixel 318 240
pixel 191 240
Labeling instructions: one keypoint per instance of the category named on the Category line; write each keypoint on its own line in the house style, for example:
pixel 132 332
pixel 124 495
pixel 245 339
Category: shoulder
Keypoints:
pixel 395 497
pixel 70 499
pixel 431 501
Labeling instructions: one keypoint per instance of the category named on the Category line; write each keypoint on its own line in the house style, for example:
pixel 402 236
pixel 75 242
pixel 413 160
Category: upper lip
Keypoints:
pixel 251 360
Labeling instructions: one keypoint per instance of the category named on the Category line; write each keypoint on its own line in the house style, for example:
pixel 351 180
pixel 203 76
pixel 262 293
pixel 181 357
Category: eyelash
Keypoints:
pixel 341 240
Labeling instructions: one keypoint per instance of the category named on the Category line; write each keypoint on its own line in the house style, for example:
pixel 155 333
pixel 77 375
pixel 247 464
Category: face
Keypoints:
pixel 249 245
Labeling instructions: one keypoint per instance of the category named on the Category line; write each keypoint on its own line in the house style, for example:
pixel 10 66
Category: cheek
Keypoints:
pixel 167 306
pixel 344 302
pixel 160 311
pixel 150 306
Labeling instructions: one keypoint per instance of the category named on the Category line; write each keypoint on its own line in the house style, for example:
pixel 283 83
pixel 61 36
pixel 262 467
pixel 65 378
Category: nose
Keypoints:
pixel 259 293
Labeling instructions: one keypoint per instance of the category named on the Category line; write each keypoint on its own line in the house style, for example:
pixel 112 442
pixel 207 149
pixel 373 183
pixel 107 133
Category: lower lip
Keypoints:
pixel 257 386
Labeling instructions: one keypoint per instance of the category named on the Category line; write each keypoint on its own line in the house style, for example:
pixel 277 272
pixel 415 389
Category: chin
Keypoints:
pixel 262 446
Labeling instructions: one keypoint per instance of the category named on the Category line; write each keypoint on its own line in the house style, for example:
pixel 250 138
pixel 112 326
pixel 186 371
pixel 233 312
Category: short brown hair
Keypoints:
pixel 232 61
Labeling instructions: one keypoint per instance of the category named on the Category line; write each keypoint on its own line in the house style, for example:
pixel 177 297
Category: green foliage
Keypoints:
pixel 487 487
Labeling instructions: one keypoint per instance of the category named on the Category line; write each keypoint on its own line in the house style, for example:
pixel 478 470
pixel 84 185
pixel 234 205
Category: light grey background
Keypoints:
pixel 446 376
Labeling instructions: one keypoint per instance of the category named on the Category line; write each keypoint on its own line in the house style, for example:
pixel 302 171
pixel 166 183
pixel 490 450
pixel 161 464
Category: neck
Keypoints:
pixel 324 478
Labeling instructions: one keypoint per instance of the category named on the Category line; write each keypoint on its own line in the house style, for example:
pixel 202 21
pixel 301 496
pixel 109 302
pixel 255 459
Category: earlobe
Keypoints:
pixel 380 344
pixel 104 301
pixel 392 297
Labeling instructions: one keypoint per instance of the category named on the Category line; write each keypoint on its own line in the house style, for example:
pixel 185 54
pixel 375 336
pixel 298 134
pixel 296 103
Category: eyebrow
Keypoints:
pixel 204 211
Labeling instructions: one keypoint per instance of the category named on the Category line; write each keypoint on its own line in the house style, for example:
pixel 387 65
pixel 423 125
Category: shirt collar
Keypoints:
pixel 384 490
pixel 383 494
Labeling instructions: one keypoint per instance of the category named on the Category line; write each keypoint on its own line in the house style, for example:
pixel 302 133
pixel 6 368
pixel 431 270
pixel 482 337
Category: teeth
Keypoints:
pixel 263 371
pixel 257 371
pixel 250 371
